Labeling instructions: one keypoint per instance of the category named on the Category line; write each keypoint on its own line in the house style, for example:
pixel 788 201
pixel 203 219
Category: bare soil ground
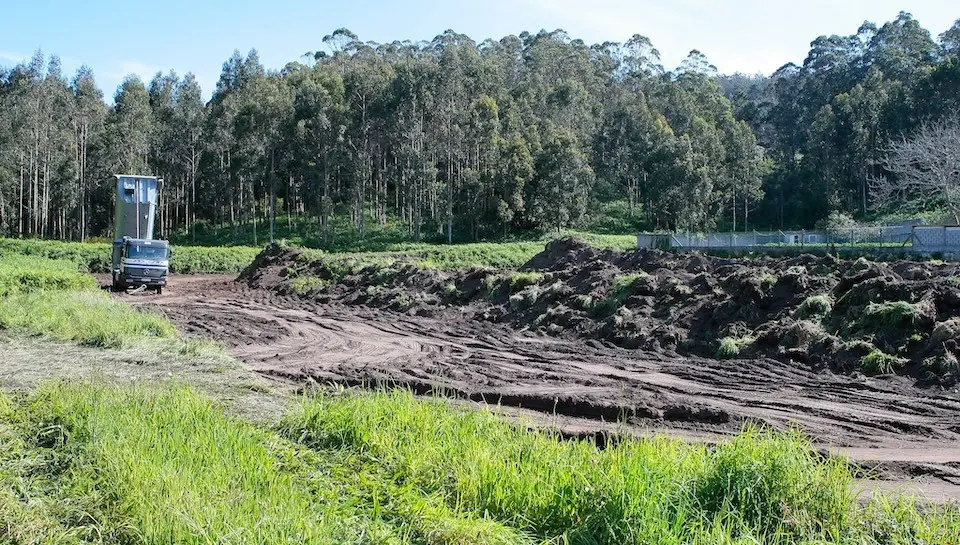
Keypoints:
pixel 909 436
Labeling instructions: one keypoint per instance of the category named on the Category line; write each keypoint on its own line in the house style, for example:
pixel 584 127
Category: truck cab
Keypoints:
pixel 140 262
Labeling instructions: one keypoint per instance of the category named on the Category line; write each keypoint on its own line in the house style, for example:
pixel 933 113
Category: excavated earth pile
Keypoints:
pixel 816 312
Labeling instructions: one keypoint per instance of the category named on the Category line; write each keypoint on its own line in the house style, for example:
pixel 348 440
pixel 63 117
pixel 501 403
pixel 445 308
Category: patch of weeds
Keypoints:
pixel 802 333
pixel 768 281
pixel 730 347
pixel 582 302
pixel 625 282
pixel 521 280
pixel 402 302
pixel 525 299
pixel 373 291
pixel 622 287
pixel 892 314
pixel 678 289
pixel 816 306
pixel 492 284
pixel 450 290
pixel 385 275
pixel 878 362
pixel 306 285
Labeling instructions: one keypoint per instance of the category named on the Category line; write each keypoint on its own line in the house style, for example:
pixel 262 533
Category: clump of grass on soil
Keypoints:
pixel 620 291
pixel 878 362
pixel 892 314
pixel 521 280
pixel 816 306
pixel 730 347
pixel 308 284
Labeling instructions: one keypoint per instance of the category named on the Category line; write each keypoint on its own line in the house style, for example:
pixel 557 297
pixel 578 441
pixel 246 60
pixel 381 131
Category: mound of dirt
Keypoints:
pixel 818 311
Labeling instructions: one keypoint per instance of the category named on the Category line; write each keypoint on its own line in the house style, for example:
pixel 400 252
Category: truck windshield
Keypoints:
pixel 136 251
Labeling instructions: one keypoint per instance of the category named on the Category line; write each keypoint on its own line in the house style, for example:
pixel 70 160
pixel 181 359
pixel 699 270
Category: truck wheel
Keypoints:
pixel 159 290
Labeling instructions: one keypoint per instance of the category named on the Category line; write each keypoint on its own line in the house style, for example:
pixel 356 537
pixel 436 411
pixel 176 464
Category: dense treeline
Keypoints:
pixel 828 123
pixel 463 140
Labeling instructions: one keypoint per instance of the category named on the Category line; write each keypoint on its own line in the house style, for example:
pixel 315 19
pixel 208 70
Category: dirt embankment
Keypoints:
pixel 815 312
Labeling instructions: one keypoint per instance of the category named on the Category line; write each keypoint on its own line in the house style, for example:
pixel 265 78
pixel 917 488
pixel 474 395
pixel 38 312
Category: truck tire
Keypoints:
pixel 159 290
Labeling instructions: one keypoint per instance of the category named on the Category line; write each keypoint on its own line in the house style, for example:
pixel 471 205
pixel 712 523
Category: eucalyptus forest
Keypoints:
pixel 457 140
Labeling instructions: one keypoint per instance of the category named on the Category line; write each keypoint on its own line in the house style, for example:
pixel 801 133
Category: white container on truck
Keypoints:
pixel 138 259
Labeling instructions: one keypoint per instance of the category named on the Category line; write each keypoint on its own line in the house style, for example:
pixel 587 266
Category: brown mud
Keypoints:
pixel 816 313
pixel 908 435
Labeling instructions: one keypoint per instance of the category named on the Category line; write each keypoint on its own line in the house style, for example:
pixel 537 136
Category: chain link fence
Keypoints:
pixel 906 238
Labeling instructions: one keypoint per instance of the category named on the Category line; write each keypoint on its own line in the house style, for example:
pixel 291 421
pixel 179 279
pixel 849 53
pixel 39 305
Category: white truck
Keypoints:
pixel 138 260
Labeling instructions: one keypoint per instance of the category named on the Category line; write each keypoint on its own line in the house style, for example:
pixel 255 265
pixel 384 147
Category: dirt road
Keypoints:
pixel 910 435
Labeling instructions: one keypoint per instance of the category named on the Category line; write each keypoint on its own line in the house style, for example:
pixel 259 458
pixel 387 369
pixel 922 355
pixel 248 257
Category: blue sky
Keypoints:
pixel 120 38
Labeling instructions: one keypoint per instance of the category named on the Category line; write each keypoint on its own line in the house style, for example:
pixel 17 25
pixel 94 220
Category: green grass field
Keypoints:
pixel 89 462
pixel 53 299
pixel 95 256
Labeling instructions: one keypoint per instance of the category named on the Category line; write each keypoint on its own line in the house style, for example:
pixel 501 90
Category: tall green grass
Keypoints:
pixel 152 465
pixel 99 463
pixel 88 317
pixel 52 299
pixel 19 274
pixel 760 487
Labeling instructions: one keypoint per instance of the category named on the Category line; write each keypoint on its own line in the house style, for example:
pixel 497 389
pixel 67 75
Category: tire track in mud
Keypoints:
pixel 882 420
